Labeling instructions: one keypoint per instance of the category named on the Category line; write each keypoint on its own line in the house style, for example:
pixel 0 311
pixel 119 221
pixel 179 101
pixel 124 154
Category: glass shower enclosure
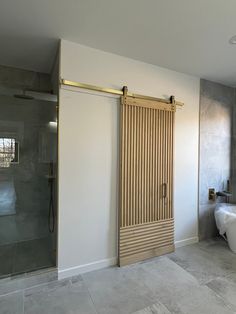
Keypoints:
pixel 28 184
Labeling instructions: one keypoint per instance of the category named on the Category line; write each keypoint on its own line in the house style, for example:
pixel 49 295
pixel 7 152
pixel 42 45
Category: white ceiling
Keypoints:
pixel 190 36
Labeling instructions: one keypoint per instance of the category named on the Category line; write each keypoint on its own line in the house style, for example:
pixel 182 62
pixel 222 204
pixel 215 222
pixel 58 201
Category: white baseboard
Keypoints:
pixel 74 271
pixel 186 242
pixel 81 269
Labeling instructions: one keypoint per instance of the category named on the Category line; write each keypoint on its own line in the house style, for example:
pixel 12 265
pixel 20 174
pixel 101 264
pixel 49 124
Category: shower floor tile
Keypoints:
pixel 26 256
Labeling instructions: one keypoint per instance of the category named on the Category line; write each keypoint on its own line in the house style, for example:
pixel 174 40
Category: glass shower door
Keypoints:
pixel 28 176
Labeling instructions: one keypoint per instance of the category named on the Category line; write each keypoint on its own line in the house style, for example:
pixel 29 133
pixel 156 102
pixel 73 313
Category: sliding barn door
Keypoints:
pixel 146 223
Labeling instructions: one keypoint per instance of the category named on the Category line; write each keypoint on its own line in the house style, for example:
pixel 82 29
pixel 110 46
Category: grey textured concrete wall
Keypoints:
pixel 233 155
pixel 216 111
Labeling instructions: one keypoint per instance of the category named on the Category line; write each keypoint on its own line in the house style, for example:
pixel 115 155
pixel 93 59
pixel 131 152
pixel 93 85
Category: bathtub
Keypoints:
pixel 225 215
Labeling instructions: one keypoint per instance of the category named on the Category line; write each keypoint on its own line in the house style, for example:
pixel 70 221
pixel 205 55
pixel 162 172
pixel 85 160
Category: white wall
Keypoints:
pixel 88 149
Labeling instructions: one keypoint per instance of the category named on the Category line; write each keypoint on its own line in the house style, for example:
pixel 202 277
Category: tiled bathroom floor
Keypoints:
pixel 197 279
pixel 26 256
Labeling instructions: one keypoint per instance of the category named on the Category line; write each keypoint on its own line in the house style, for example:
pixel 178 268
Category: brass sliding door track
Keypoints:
pixel 119 92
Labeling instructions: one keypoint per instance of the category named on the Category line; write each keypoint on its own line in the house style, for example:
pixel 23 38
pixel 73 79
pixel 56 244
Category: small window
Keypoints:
pixel 9 152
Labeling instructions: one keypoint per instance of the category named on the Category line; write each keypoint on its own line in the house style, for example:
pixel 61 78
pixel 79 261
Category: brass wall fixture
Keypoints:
pixel 211 194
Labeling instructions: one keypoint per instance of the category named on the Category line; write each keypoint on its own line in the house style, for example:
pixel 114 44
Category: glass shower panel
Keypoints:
pixel 28 176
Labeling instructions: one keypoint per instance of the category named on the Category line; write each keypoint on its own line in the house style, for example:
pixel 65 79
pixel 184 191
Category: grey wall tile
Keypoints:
pixel 216 112
pixel 7 255
pixel 19 78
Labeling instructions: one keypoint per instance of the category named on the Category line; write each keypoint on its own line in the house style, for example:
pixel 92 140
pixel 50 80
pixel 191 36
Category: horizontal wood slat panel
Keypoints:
pixel 150 224
pixel 144 103
pixel 146 234
pixel 149 244
pixel 149 247
pixel 146 237
pixel 139 256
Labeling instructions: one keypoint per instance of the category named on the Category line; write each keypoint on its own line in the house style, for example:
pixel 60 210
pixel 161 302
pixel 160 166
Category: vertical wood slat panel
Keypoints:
pixel 165 166
pixel 158 164
pixel 171 161
pixel 167 163
pixel 131 166
pixel 146 165
pixel 143 165
pixel 161 165
pixel 139 130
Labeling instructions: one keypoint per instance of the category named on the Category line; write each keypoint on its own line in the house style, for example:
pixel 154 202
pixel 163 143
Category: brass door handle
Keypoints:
pixel 164 191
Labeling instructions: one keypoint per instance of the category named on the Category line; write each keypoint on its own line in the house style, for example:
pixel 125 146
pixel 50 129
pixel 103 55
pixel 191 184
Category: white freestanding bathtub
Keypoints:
pixel 225 215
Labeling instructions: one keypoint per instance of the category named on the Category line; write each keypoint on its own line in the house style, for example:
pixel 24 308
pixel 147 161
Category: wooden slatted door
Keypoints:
pixel 146 223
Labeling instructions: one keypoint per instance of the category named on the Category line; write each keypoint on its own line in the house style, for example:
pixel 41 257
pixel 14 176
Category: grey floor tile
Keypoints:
pixel 157 308
pixel 219 250
pixel 61 297
pixel 117 290
pixel 161 274
pixel 170 284
pixel 205 264
pixel 197 300
pixel 12 304
pixel 178 290
pixel 24 281
pixel 226 288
